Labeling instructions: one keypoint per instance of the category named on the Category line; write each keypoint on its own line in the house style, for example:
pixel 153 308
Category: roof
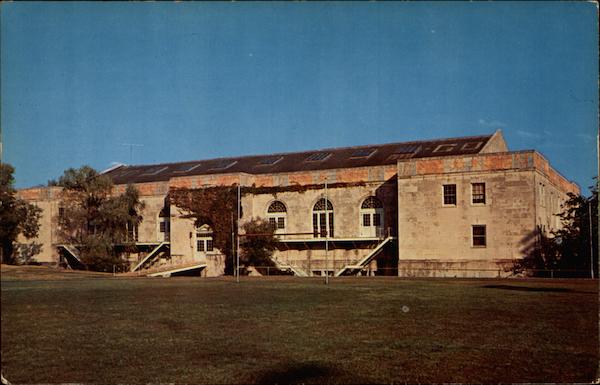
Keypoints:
pixel 323 159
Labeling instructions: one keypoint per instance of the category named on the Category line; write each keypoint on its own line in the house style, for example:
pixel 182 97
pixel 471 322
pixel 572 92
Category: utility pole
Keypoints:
pixel 237 269
pixel 591 242
pixel 326 235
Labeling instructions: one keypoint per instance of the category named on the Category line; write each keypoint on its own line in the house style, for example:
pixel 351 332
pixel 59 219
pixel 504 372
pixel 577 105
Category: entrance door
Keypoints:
pixel 371 218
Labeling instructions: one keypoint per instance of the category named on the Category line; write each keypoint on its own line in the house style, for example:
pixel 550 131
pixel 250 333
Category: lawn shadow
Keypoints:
pixel 301 373
pixel 527 288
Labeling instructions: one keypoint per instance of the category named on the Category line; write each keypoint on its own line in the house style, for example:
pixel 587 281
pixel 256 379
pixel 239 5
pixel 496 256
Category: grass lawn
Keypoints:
pixel 296 330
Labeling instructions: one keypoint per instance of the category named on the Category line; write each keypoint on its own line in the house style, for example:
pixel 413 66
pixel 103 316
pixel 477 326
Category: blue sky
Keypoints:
pixel 202 80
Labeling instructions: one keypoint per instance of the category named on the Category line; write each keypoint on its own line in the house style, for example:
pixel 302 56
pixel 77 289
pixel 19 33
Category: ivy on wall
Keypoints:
pixel 217 207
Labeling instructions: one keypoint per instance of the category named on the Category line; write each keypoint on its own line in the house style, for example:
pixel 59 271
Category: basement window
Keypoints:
pixel 479 235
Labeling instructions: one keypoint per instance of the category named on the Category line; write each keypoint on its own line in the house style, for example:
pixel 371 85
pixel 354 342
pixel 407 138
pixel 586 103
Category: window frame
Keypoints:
pixel 479 236
pixel 484 202
pixel 444 195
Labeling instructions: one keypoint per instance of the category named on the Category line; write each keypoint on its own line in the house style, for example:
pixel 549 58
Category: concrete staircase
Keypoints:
pixel 155 252
pixel 349 269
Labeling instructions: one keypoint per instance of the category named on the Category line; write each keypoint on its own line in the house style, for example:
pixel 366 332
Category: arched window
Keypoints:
pixel 371 217
pixel 323 219
pixel 164 224
pixel 204 240
pixel 276 214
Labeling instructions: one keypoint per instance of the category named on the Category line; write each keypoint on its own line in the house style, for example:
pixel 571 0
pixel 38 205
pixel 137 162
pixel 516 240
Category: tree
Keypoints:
pixel 258 243
pixel 16 217
pixel 567 250
pixel 94 220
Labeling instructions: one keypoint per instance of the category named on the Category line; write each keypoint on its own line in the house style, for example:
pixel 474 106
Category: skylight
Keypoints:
pixel 471 145
pixel 317 157
pixel 183 168
pixel 407 149
pixel 269 160
pixel 363 153
pixel 445 147
pixel 223 164
pixel 155 170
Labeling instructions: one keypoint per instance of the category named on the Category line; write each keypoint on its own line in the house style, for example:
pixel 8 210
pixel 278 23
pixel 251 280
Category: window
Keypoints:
pixel 377 219
pixel 366 220
pixel 450 194
pixel 323 219
pixel 131 231
pixel 164 224
pixel 479 235
pixel 276 214
pixel 371 212
pixel 478 192
pixel 204 240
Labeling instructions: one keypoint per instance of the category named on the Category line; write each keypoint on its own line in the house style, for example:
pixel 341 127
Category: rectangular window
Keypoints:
pixel 478 192
pixel 162 227
pixel 331 225
pixel 281 223
pixel 366 220
pixel 479 236
pixel 200 245
pixel 450 194
pixel 315 225
pixel 376 219
pixel 273 223
pixel 209 245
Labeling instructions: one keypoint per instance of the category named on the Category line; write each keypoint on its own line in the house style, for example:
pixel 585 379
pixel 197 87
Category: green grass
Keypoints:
pixel 294 330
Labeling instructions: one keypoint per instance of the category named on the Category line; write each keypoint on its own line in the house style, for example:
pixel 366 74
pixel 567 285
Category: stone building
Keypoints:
pixel 449 207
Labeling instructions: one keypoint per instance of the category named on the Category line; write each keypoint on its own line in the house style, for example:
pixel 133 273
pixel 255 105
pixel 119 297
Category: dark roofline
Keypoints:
pixel 340 157
pixel 241 157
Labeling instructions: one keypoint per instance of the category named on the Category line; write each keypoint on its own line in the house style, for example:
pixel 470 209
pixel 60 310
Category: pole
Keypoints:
pixel 237 268
pixel 591 242
pixel 232 244
pixel 326 235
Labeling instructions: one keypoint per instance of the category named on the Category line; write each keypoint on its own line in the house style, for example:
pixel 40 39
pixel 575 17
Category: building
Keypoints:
pixel 463 207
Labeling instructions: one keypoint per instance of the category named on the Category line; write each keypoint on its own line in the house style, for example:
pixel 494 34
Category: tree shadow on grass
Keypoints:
pixel 301 373
pixel 527 288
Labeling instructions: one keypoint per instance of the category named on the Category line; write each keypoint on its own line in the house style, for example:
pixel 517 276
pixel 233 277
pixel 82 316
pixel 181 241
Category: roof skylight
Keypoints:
pixel 363 153
pixel 317 157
